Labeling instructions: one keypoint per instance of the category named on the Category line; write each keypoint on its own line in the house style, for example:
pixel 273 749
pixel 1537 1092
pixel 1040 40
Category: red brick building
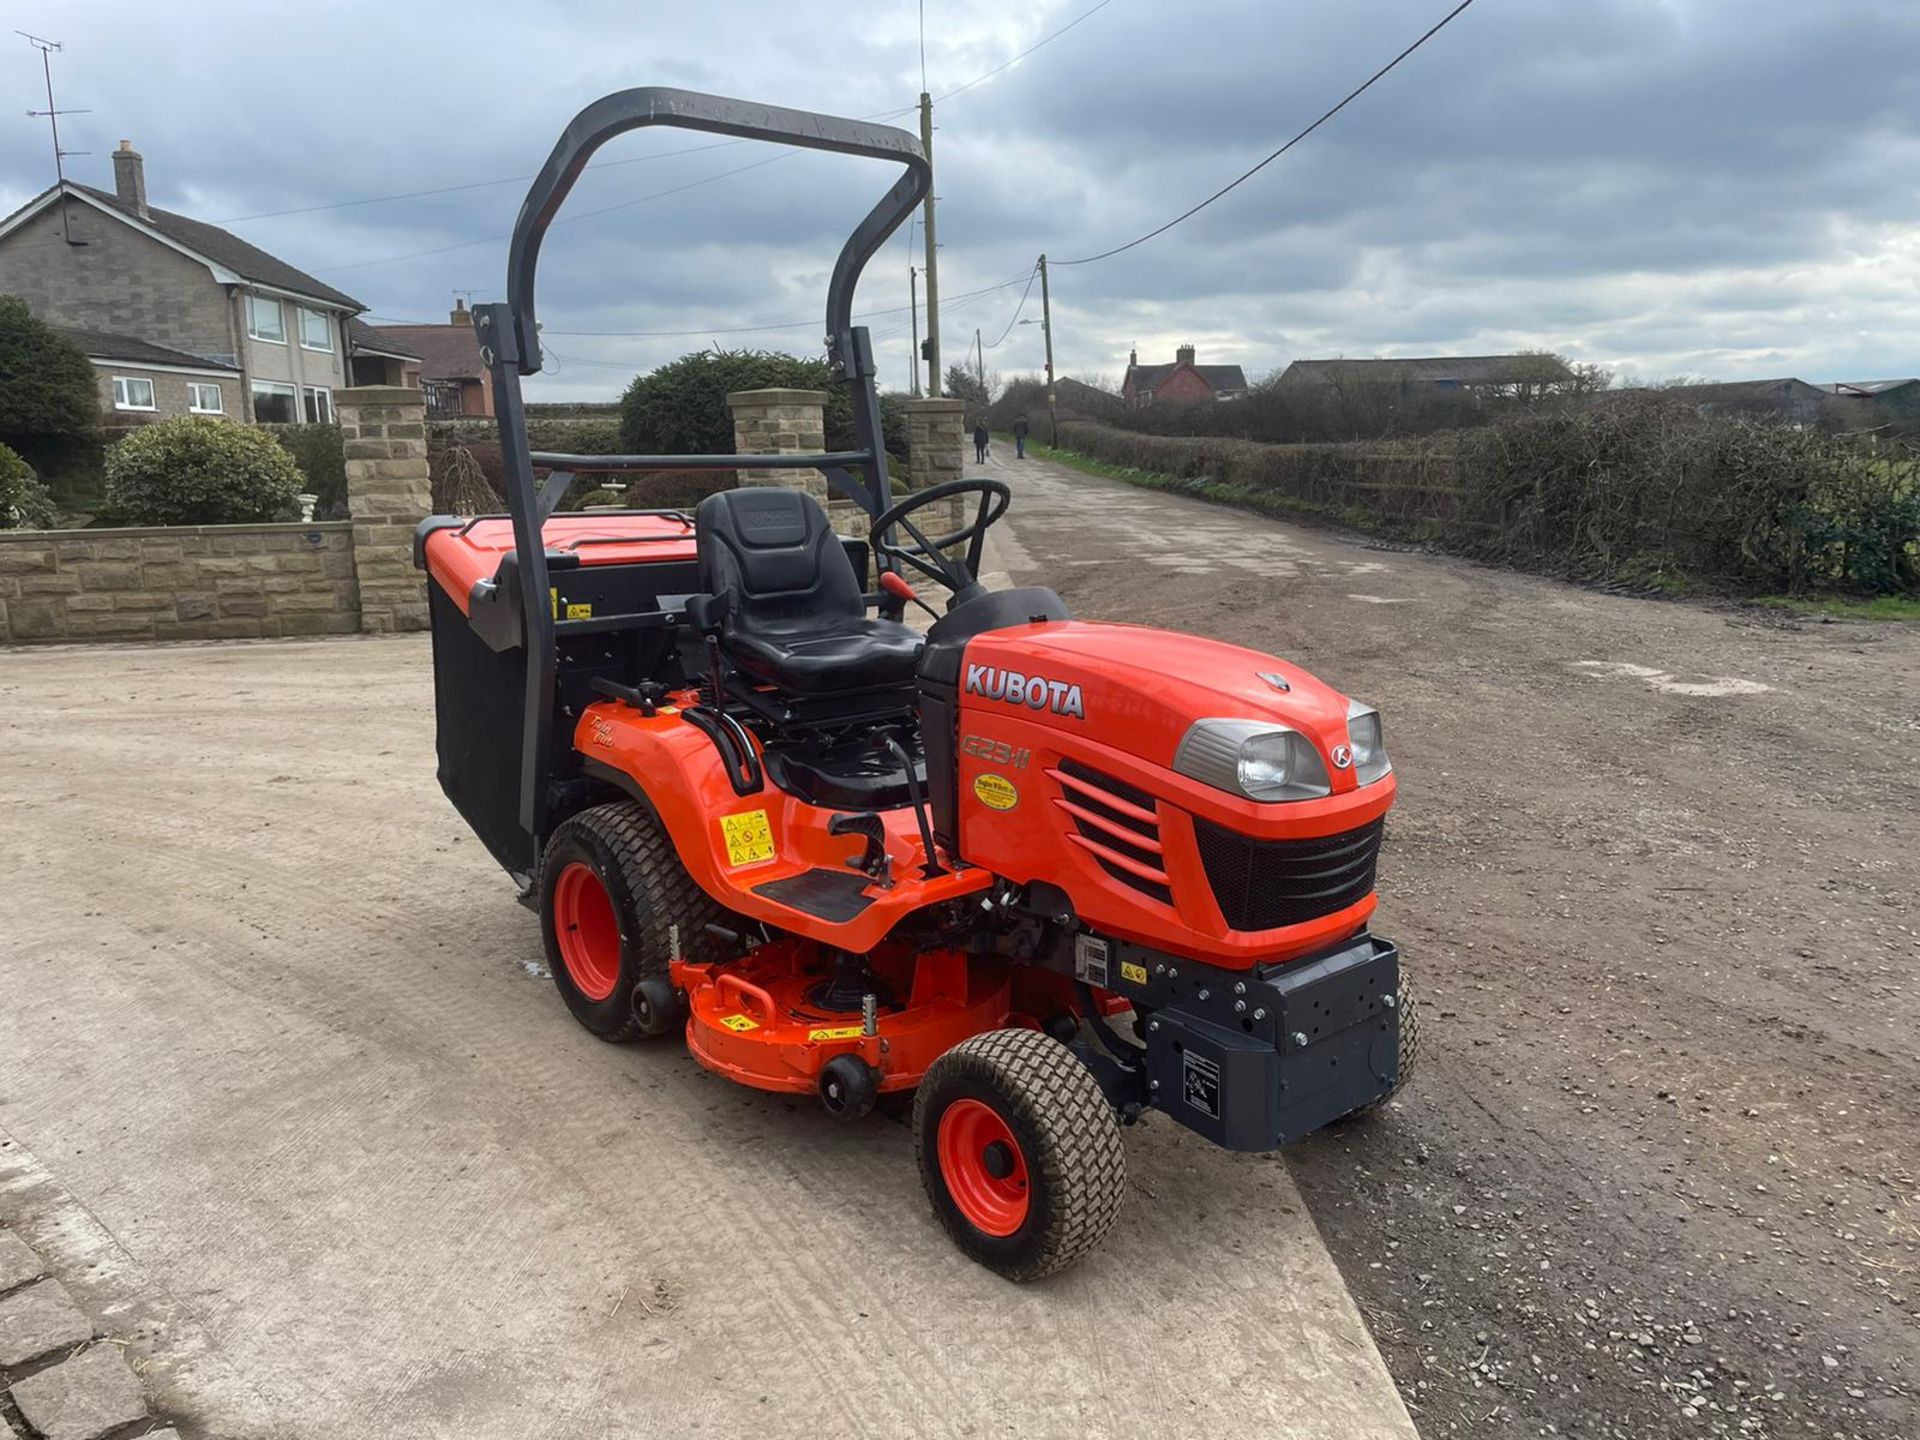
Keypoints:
pixel 1181 383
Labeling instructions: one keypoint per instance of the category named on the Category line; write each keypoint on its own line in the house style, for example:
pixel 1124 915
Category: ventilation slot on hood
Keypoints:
pixel 1117 824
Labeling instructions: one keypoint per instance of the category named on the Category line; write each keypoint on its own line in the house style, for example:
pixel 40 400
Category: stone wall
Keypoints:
pixel 935 441
pixel 781 422
pixel 181 582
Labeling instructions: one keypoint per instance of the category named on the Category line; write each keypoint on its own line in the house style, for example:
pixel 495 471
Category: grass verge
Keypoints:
pixel 1221 493
pixel 1847 607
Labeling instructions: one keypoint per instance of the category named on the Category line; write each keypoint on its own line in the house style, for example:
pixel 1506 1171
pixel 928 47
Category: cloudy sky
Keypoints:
pixel 1717 187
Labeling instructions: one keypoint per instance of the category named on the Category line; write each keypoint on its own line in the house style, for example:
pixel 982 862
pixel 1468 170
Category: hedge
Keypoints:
pixel 194 471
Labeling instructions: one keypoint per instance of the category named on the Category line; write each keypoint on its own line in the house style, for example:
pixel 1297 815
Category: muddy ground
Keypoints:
pixel 1653 868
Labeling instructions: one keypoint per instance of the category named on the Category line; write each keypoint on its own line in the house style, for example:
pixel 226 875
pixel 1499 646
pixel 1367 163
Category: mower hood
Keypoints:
pixel 1140 690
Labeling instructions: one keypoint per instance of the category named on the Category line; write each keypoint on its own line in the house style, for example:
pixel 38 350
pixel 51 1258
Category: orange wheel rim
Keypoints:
pixel 985 1170
pixel 587 930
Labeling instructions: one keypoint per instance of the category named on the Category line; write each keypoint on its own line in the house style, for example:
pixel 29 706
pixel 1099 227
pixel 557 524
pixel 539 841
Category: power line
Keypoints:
pixel 1009 64
pixel 1248 175
pixel 1032 275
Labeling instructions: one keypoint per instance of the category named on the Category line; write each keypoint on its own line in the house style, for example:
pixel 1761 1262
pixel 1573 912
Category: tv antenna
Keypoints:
pixel 52 116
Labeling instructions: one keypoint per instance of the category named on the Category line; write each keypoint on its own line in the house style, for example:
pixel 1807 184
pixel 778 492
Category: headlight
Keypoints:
pixel 1369 743
pixel 1254 758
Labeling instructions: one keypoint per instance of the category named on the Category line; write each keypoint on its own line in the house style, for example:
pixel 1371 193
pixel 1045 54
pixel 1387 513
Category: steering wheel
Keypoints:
pixel 930 557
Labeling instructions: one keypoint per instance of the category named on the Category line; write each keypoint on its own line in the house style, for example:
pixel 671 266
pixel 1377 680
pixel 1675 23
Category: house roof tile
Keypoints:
pixel 447 352
pixel 379 339
pixel 222 247
pixel 100 345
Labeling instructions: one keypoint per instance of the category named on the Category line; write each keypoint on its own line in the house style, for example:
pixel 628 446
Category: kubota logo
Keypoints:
pixel 1036 692
pixel 1342 756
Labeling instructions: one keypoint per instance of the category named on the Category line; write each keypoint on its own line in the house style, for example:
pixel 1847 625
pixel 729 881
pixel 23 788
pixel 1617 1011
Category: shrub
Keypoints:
pixel 47 387
pixel 681 408
pixel 24 501
pixel 322 458
pixel 195 471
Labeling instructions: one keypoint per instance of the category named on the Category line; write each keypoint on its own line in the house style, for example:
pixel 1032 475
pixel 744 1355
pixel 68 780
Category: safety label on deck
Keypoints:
pixel 1200 1083
pixel 739 1022
pixel 749 838
pixel 835 1032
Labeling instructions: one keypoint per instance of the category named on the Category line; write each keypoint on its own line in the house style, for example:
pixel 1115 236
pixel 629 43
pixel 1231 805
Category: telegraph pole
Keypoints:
pixel 933 261
pixel 52 115
pixel 913 304
pixel 1046 329
pixel 979 362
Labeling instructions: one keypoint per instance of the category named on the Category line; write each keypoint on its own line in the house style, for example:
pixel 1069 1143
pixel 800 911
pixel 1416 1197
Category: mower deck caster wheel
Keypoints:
pixel 657 1007
pixel 1019 1152
pixel 848 1087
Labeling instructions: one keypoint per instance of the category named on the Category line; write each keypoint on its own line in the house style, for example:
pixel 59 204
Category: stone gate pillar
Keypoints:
pixel 781 422
pixel 389 492
pixel 936 442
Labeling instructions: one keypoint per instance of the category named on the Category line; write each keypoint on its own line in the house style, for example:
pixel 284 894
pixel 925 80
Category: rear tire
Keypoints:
pixel 1019 1152
pixel 1409 1008
pixel 611 891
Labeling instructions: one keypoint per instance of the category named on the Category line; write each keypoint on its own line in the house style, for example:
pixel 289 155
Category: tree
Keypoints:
pixel 963 384
pixel 194 471
pixel 47 386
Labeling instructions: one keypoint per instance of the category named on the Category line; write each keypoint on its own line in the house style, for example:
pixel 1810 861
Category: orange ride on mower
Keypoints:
pixel 1047 875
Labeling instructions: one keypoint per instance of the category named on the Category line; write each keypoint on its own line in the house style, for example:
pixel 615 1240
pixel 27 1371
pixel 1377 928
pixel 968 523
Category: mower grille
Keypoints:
pixel 1264 884
pixel 1118 825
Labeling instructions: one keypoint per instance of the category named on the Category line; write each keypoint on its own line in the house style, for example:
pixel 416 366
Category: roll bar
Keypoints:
pixel 509 336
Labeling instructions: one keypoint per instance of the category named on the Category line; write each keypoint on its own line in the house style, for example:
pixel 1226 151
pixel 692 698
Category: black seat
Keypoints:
pixel 797 618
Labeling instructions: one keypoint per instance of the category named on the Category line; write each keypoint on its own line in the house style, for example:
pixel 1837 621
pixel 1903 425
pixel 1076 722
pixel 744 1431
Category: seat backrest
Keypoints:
pixel 775 551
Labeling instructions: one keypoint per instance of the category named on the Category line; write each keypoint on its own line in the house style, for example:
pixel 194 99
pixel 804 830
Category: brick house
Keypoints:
pixel 167 302
pixel 448 364
pixel 1182 382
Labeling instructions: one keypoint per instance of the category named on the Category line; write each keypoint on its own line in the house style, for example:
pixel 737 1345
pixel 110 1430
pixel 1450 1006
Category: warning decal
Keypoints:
pixel 837 1032
pixel 739 1022
pixel 748 837
pixel 1200 1083
pixel 1133 974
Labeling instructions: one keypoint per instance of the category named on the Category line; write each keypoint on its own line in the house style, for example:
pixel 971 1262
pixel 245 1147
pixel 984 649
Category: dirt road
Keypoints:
pixel 286 1097
pixel 1654 866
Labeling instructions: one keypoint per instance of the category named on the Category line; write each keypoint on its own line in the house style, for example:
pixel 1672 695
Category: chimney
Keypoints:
pixel 1133 358
pixel 460 315
pixel 130 178
pixel 1184 355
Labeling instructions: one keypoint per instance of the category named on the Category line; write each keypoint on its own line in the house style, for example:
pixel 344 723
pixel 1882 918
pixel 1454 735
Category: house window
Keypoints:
pixel 204 399
pixel 319 405
pixel 132 393
pixel 273 404
pixel 264 320
pixel 316 331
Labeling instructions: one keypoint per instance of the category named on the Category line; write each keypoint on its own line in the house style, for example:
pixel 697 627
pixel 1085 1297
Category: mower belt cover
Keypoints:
pixel 1251 1084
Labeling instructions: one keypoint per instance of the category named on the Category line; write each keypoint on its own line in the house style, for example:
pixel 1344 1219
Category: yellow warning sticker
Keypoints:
pixel 576 611
pixel 739 1022
pixel 748 837
pixel 838 1032
pixel 1135 973
pixel 996 792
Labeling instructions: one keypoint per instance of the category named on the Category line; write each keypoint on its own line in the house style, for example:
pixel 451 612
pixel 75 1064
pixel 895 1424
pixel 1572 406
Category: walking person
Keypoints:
pixel 1020 438
pixel 980 438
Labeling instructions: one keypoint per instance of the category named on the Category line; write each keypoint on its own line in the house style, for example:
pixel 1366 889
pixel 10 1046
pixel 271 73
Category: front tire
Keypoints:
pixel 611 891
pixel 1019 1152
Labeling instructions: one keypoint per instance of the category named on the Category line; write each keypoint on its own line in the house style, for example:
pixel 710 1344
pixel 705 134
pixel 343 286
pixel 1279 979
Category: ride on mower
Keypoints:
pixel 1046 874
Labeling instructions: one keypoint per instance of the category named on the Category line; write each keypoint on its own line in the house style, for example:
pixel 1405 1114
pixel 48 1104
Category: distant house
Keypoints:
pixel 1183 382
pixel 1790 400
pixel 1876 402
pixel 449 365
pixel 272 339
pixel 377 359
pixel 1490 375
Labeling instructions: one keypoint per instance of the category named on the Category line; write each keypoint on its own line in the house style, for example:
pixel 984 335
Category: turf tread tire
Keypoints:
pixel 1067 1130
pixel 651 892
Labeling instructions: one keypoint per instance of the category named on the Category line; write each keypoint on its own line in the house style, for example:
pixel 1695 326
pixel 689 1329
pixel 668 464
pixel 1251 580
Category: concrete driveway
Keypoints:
pixel 288 1100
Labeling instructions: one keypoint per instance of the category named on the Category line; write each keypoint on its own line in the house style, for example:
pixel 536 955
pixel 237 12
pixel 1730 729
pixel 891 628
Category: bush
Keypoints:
pixel 195 471
pixel 681 408
pixel 24 501
pixel 47 387
pixel 322 458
